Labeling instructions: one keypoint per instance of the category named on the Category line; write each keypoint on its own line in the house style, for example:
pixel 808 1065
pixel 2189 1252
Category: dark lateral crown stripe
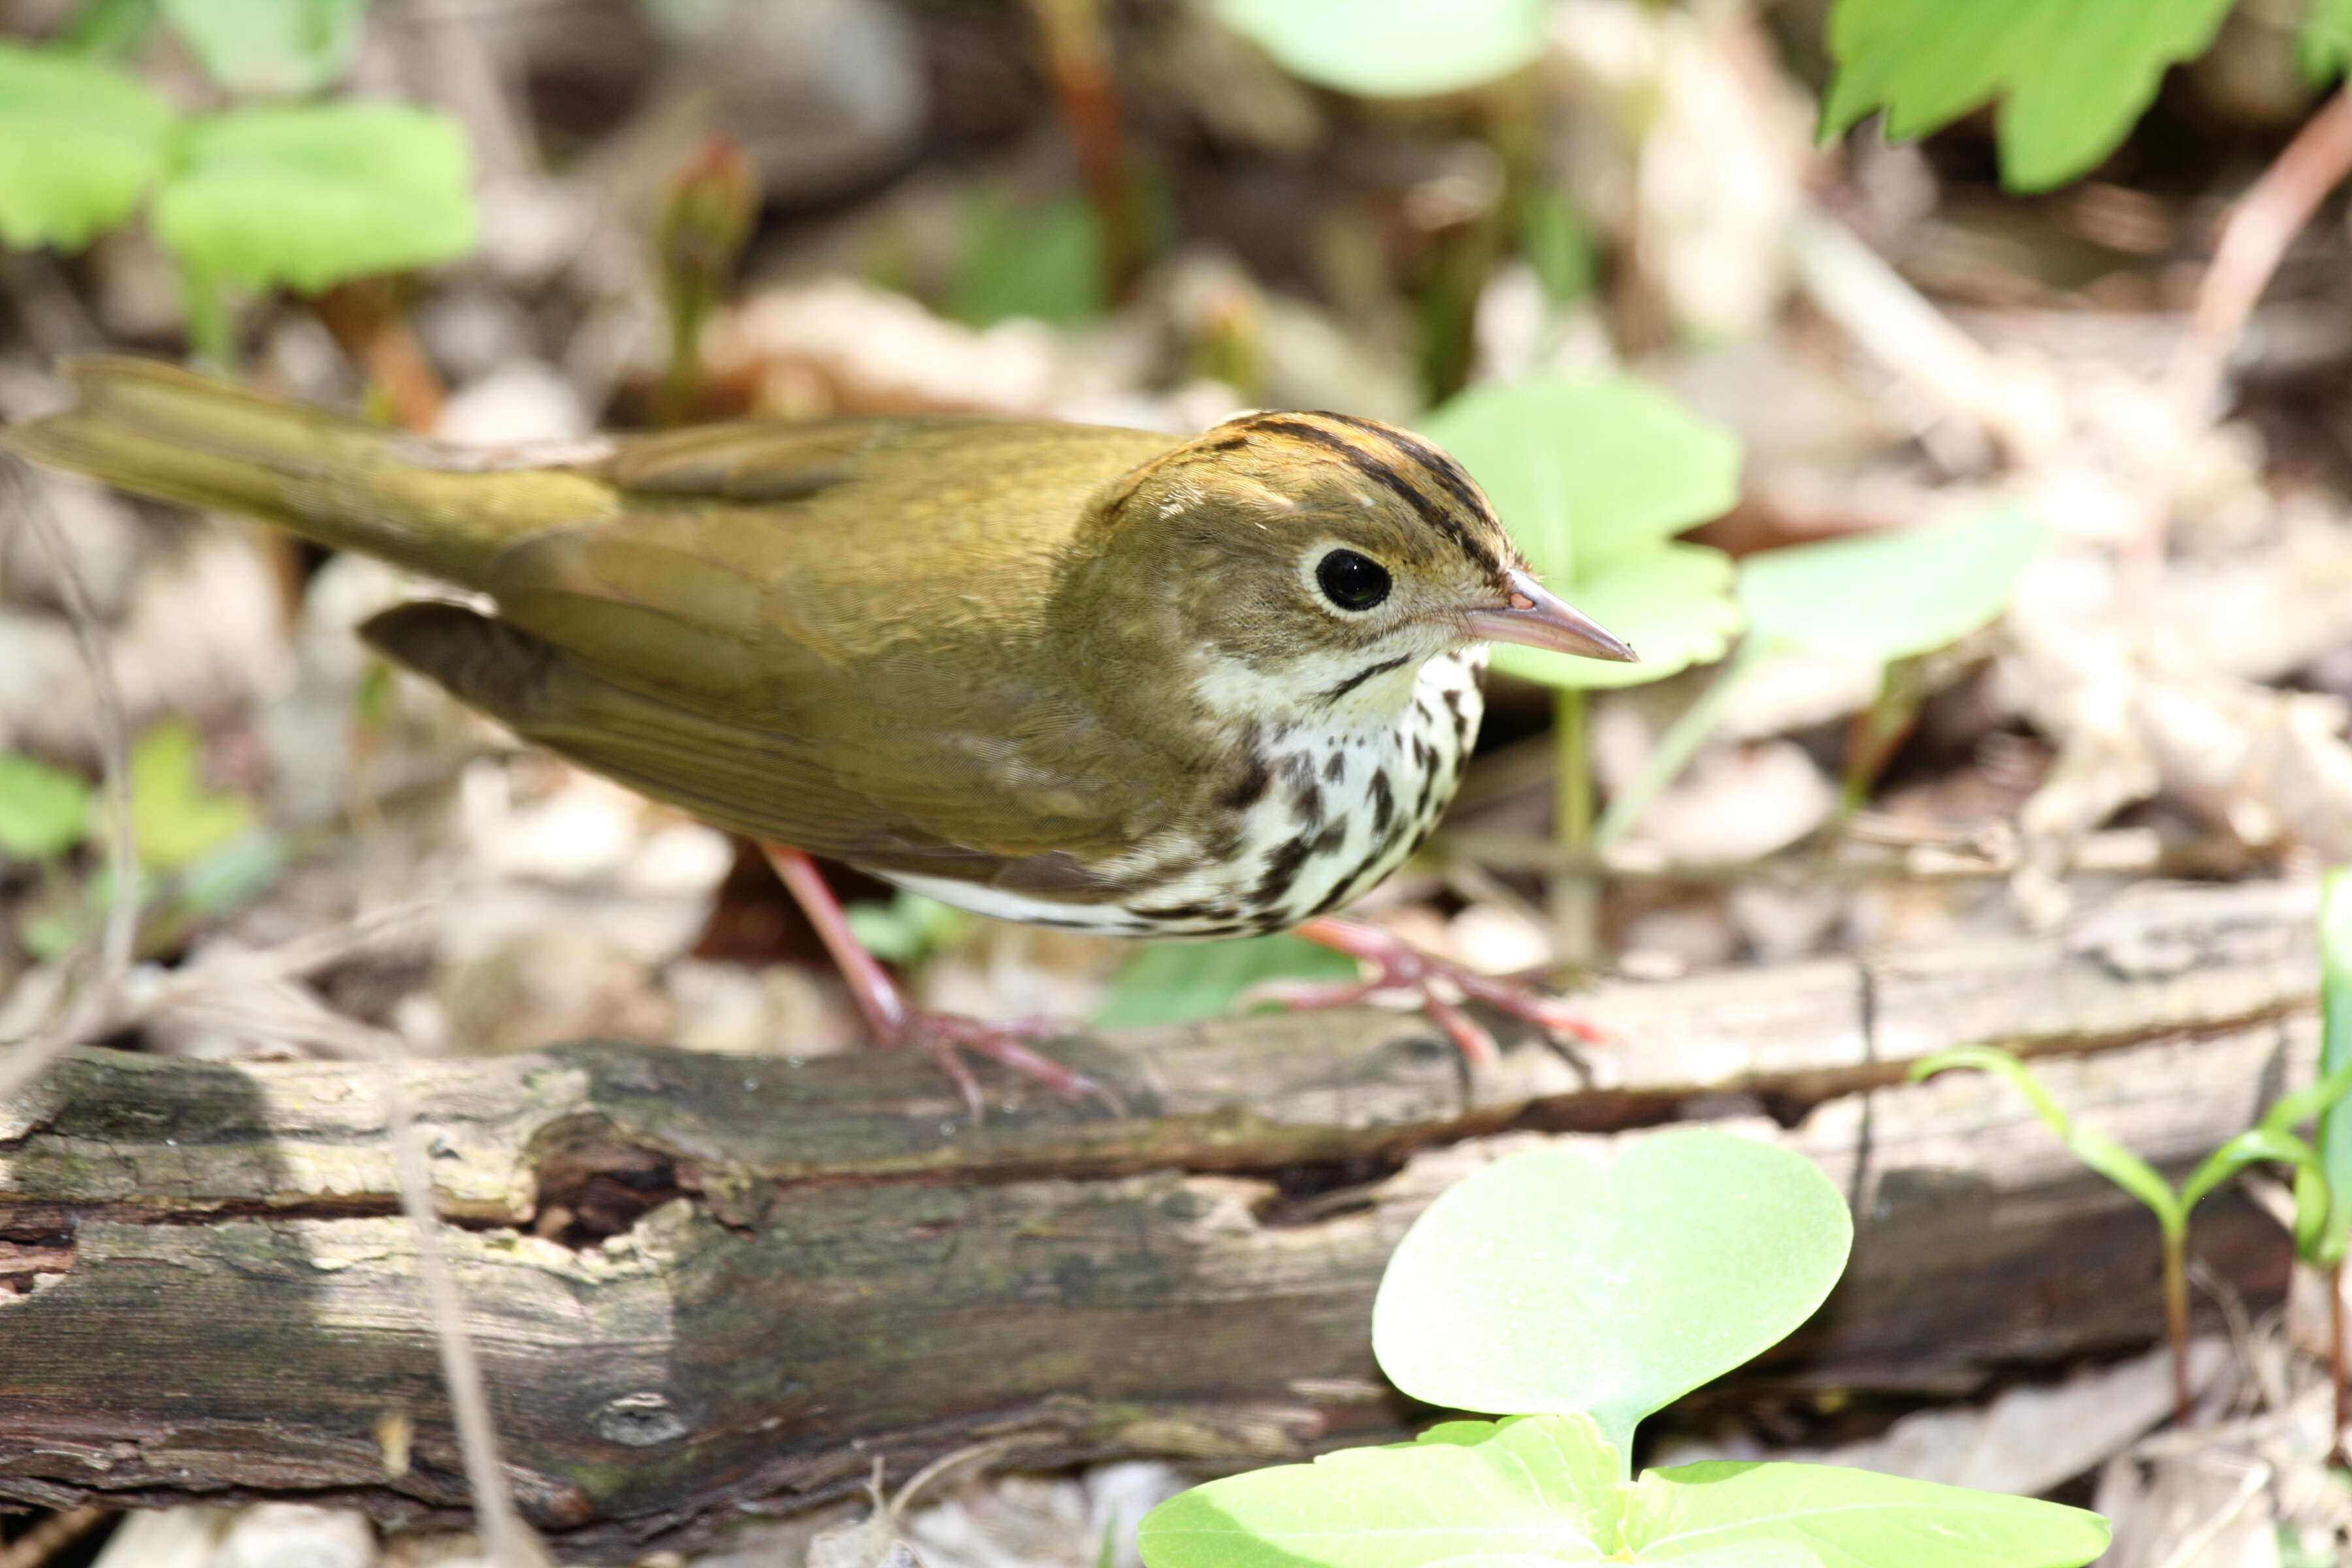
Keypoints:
pixel 1442 471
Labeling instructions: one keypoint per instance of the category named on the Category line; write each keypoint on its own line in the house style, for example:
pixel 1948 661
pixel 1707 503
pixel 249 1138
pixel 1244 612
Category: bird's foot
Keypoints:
pixel 946 1037
pixel 942 1037
pixel 1438 987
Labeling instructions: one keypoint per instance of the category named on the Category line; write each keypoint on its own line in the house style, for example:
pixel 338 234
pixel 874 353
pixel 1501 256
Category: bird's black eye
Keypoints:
pixel 1351 580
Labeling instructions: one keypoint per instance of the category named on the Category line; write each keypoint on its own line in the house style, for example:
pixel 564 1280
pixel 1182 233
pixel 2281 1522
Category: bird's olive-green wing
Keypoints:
pixel 837 633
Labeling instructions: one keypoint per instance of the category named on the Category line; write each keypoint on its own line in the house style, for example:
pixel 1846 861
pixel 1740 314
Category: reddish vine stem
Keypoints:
pixel 2254 239
pixel 1078 58
pixel 2336 1450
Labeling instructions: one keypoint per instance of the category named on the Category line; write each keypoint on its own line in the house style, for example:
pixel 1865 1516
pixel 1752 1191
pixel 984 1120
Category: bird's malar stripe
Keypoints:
pixel 1362 676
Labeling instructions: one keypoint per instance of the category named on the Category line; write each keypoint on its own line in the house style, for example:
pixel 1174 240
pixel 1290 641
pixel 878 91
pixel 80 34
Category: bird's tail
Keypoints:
pixel 157 430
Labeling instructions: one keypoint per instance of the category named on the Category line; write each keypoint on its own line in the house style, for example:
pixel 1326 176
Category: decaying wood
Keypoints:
pixel 704 1284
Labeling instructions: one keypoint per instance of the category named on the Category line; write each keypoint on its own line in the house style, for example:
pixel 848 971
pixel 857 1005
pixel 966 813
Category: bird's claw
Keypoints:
pixel 1436 987
pixel 945 1037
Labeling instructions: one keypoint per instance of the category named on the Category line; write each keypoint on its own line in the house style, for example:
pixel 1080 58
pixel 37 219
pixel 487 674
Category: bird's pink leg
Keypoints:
pixel 1395 965
pixel 895 1021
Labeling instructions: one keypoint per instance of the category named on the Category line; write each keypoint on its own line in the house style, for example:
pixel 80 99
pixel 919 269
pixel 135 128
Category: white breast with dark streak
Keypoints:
pixel 1341 807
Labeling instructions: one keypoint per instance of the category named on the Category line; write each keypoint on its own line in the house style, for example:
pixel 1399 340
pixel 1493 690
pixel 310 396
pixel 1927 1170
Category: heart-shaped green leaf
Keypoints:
pixel 313 196
pixel 80 144
pixel 1674 603
pixel 1743 1513
pixel 1554 1281
pixel 1593 477
pixel 1883 596
pixel 1541 1489
pixel 1392 49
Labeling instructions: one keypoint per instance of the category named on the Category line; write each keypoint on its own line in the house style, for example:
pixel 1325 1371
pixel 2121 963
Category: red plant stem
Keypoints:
pixel 2254 236
pixel 1078 57
pixel 2336 1452
pixel 2175 1323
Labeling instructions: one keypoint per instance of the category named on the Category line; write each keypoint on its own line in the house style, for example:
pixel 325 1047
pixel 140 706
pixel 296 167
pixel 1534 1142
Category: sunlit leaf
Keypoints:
pixel 1554 1281
pixel 1721 1512
pixel 1889 595
pixel 1173 981
pixel 313 196
pixel 1540 1490
pixel 177 817
pixel 80 144
pixel 42 809
pixel 2093 1148
pixel 2324 48
pixel 1392 49
pixel 2071 76
pixel 269 48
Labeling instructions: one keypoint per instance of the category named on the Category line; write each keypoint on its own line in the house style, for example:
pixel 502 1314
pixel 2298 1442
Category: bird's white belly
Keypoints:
pixel 1342 808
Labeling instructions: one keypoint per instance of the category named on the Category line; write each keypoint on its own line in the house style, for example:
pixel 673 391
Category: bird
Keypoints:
pixel 1100 680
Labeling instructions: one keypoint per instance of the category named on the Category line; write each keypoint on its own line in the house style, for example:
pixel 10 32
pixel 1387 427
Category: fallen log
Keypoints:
pixel 706 1285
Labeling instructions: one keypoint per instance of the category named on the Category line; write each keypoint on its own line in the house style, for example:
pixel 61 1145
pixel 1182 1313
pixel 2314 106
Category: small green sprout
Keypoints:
pixel 1575 1297
pixel 2273 1140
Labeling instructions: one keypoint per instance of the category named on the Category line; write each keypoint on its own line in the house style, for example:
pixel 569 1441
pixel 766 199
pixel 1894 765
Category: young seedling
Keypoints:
pixel 1573 1297
pixel 699 233
pixel 1594 477
pixel 1880 597
pixel 2273 1139
pixel 297 195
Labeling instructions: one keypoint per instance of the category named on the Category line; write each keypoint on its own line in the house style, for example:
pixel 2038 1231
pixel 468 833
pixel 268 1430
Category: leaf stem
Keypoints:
pixel 2175 1317
pixel 1878 732
pixel 1078 58
pixel 211 326
pixel 1676 746
pixel 2335 1369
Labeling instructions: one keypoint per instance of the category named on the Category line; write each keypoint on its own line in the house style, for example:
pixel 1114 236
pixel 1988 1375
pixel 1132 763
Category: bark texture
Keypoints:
pixel 706 1285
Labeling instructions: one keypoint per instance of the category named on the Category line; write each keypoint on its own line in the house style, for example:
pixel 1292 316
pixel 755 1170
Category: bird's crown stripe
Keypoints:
pixel 1407 469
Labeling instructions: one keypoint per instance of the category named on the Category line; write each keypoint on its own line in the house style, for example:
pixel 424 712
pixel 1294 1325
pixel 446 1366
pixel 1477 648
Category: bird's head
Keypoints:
pixel 1306 566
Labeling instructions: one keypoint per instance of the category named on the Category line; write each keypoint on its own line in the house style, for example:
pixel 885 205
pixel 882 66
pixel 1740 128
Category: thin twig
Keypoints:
pixel 1078 58
pixel 30 1058
pixel 506 1541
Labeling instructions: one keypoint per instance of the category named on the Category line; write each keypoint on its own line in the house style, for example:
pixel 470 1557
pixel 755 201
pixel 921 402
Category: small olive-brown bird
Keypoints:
pixel 1096 679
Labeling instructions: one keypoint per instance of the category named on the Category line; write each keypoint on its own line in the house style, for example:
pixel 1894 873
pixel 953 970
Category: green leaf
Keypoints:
pixel 907 927
pixel 42 809
pixel 1721 1512
pixel 1540 1490
pixel 313 196
pixel 284 48
pixel 2072 74
pixel 1551 1281
pixel 177 819
pixel 80 144
pixel 2334 1135
pixel 2094 1149
pixel 1674 603
pixel 1884 596
pixel 2255 1146
pixel 1173 982
pixel 1586 471
pixel 2324 46
pixel 1392 49
pixel 1593 477
pixel 1041 262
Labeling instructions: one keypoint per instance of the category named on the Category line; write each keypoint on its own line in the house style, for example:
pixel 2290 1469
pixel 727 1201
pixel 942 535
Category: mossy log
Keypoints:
pixel 708 1285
